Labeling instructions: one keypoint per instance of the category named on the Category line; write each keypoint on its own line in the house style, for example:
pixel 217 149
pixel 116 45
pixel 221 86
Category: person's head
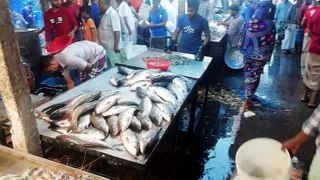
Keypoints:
pixel 234 10
pixel 104 4
pixel 299 2
pixel 55 3
pixel 30 5
pixel 48 64
pixel 193 6
pixel 85 11
pixel 155 4
pixel 262 10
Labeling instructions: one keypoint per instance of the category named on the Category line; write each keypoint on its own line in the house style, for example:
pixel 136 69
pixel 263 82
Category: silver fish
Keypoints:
pixel 140 83
pixel 124 70
pixel 164 94
pixel 117 81
pixel 131 74
pixel 78 112
pixel 156 115
pixel 83 140
pixel 145 106
pixel 163 77
pixel 56 123
pixel 124 101
pixel 52 108
pixel 106 103
pixel 59 113
pixel 177 91
pixel 125 118
pixel 143 92
pixel 135 124
pixel 114 110
pixel 146 122
pixel 95 133
pixel 79 100
pixel 112 122
pixel 139 76
pixel 130 142
pixel 83 122
pixel 181 83
pixel 98 121
pixel 148 141
pixel 166 111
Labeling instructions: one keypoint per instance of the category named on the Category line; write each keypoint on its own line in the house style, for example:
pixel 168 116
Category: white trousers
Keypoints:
pixel 289 37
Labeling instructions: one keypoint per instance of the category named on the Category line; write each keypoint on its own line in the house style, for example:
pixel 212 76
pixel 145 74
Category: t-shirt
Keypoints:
pixel 27 15
pixel 308 15
pixel 79 54
pixel 191 33
pixel 315 28
pixel 110 22
pixel 159 16
pixel 95 13
pixel 88 25
pixel 58 23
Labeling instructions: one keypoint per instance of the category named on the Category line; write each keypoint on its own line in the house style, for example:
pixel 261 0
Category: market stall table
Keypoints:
pixel 101 83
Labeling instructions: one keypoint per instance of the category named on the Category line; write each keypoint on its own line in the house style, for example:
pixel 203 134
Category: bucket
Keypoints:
pixel 263 159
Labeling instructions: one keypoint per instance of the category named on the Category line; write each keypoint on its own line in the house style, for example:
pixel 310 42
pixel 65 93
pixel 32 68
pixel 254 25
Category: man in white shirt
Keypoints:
pixel 86 56
pixel 127 22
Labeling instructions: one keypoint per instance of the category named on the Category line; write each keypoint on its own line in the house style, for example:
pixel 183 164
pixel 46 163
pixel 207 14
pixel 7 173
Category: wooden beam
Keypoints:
pixel 14 89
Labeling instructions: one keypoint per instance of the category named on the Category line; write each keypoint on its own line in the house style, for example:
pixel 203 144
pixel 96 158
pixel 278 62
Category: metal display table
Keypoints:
pixel 193 69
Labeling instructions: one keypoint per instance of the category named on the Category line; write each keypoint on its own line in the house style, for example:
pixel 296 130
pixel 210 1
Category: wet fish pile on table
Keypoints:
pixel 45 174
pixel 90 118
pixel 174 59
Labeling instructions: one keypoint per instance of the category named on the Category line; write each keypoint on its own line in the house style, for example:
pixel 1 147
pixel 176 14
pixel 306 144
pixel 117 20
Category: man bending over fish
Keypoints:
pixel 86 56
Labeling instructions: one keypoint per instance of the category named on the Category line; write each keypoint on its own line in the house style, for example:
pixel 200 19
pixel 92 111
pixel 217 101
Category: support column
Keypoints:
pixel 14 89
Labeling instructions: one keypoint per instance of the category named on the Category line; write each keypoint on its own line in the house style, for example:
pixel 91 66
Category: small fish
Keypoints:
pixel 83 140
pixel 130 142
pixel 98 121
pixel 125 118
pixel 148 140
pixel 156 115
pixel 106 103
pixel 114 110
pixel 112 122
pixel 117 81
pixel 135 124
pixel 95 133
pixel 83 122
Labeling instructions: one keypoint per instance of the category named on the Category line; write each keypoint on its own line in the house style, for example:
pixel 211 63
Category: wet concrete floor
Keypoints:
pixel 279 115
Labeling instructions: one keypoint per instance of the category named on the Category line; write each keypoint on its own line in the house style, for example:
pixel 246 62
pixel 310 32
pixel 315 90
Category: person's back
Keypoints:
pixel 95 13
pixel 282 11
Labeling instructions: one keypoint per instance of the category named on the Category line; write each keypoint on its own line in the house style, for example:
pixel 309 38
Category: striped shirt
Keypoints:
pixel 312 126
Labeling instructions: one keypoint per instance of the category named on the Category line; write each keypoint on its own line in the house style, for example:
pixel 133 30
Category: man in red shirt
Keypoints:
pixel 306 39
pixel 311 79
pixel 59 21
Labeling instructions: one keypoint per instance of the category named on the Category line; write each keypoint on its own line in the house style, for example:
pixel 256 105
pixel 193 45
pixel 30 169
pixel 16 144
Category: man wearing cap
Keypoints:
pixel 86 56
pixel 235 25
pixel 191 25
pixel 28 15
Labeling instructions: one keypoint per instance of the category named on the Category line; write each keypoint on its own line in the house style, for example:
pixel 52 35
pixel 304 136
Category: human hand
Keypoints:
pixel 292 146
pixel 199 56
pixel 116 49
pixel 170 46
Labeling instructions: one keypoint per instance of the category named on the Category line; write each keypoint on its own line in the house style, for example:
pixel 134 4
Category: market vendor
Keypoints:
pixel 86 56
pixel 191 25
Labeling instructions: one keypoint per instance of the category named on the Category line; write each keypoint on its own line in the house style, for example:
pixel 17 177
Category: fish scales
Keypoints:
pixel 99 122
pixel 125 118
pixel 130 142
pixel 112 122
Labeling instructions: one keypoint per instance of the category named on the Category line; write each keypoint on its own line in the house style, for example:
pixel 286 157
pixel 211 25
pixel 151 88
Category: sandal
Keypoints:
pixel 304 99
pixel 312 106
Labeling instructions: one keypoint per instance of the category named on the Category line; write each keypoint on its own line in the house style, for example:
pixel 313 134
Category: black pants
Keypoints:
pixel 158 43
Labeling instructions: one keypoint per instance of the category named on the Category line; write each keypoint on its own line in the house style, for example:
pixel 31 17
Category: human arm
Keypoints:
pixel 303 21
pixel 116 35
pixel 93 29
pixel 67 76
pixel 310 128
pixel 125 19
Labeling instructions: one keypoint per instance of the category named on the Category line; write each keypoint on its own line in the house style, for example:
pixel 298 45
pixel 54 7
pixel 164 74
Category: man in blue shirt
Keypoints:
pixel 280 18
pixel 158 18
pixel 191 25
pixel 28 15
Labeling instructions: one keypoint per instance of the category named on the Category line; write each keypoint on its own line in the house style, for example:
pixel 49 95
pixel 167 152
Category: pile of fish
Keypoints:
pixel 40 173
pixel 90 118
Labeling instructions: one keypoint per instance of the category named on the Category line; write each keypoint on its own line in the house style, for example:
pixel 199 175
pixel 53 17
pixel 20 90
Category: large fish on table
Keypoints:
pixel 125 118
pixel 145 106
pixel 52 108
pixel 156 115
pixel 144 92
pixel 95 133
pixel 79 100
pixel 83 122
pixel 124 70
pixel 59 113
pixel 117 81
pixel 63 123
pixel 166 111
pixel 98 121
pixel 106 103
pixel 130 142
pixel 177 91
pixel 146 122
pixel 163 77
pixel 181 83
pixel 143 75
pixel 83 140
pixel 115 110
pixel 164 94
pixel 148 140
pixel 82 109
pixel 135 124
pixel 112 122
